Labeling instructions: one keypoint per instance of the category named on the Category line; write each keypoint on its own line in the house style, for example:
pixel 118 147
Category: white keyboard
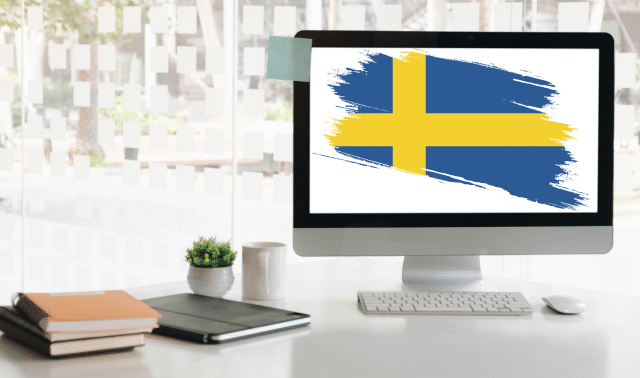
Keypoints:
pixel 443 303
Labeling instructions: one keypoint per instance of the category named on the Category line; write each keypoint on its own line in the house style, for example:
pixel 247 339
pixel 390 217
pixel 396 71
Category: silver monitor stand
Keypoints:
pixel 442 273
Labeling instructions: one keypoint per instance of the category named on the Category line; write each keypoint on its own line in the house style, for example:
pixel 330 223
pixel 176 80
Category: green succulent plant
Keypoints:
pixel 210 253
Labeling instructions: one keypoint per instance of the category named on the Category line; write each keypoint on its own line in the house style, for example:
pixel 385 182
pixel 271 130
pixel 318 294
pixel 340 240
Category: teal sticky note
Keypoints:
pixel 289 58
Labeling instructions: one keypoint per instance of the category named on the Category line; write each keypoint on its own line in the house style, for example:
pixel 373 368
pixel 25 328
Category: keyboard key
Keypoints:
pixel 383 308
pixel 407 308
pixel 459 309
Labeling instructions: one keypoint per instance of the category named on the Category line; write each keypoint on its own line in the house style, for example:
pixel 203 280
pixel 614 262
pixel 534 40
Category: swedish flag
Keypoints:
pixel 456 121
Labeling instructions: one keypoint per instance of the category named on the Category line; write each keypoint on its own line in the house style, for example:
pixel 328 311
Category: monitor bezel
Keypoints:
pixel 302 218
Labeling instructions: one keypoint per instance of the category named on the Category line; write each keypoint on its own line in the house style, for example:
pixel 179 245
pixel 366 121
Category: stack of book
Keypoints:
pixel 64 324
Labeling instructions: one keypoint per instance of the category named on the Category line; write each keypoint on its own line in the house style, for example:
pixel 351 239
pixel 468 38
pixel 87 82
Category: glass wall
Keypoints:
pixel 130 127
pixel 124 156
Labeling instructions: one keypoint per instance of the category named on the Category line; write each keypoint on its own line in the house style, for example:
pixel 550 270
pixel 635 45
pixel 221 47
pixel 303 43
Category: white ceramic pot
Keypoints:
pixel 212 282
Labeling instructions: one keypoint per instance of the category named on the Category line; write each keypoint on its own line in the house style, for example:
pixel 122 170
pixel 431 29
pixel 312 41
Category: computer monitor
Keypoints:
pixel 442 147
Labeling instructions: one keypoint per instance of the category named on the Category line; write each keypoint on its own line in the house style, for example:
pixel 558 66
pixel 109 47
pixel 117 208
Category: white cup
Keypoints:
pixel 263 270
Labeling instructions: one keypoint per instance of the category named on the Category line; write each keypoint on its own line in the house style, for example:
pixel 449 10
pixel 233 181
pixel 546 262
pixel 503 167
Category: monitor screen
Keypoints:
pixel 453 130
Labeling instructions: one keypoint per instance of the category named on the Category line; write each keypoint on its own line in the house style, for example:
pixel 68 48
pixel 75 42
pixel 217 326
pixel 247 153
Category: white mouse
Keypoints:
pixel 565 305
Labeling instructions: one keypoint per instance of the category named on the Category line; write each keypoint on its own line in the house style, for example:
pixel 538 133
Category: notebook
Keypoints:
pixel 10 314
pixel 71 347
pixel 86 311
pixel 215 320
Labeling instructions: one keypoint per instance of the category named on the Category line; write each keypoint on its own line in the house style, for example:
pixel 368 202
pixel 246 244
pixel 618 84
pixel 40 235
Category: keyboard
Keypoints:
pixel 443 303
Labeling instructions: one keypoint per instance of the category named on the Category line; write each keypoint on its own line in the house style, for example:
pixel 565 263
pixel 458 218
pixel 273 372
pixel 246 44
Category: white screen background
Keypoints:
pixel 340 187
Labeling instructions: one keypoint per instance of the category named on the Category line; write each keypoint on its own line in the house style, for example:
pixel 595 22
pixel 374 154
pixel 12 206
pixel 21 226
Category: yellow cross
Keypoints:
pixel 409 129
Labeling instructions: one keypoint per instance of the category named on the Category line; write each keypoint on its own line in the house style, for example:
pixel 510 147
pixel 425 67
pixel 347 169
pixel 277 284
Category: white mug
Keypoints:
pixel 263 270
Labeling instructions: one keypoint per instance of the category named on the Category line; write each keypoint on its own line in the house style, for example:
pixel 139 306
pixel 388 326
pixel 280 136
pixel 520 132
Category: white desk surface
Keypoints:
pixel 602 342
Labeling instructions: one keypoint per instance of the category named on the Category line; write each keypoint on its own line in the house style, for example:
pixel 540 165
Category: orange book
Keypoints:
pixel 86 311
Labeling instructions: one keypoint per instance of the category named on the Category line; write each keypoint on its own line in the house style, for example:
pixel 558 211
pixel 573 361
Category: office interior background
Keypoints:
pixel 117 147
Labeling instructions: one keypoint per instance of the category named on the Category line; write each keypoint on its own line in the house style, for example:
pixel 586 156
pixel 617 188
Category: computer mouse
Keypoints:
pixel 565 305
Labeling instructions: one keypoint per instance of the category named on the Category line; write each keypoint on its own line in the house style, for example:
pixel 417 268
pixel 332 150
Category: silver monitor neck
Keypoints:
pixel 442 273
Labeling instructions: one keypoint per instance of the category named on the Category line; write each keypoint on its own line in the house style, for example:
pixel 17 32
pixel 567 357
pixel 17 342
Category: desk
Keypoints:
pixel 604 341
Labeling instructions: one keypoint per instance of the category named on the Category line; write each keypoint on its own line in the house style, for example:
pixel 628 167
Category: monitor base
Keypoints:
pixel 442 273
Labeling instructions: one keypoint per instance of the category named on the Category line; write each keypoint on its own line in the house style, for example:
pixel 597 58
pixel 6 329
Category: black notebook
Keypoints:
pixel 216 320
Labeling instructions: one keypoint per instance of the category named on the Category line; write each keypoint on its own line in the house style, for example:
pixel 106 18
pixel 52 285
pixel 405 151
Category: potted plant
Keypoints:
pixel 210 263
